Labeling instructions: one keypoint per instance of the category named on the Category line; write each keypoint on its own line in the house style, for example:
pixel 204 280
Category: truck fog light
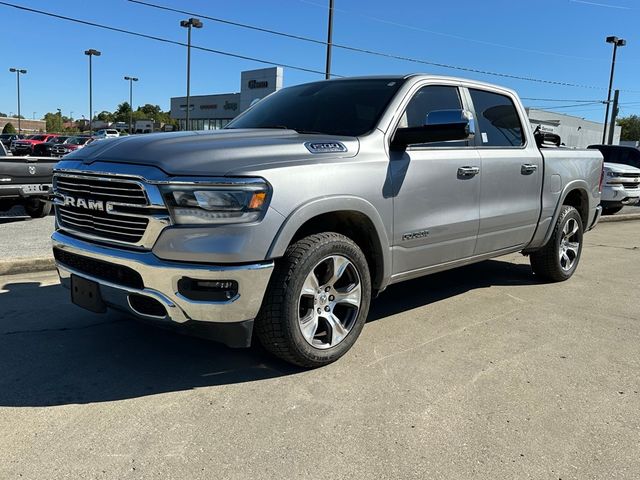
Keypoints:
pixel 207 290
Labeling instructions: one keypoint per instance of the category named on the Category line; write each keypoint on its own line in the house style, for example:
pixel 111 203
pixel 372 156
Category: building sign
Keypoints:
pixel 230 106
pixel 211 106
pixel 253 84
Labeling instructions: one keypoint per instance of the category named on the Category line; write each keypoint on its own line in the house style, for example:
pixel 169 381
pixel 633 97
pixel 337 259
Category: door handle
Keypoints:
pixel 467 172
pixel 528 168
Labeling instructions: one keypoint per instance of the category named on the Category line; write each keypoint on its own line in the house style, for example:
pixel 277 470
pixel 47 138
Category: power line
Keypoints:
pixel 159 39
pixel 558 100
pixel 559 107
pixel 364 50
pixel 451 35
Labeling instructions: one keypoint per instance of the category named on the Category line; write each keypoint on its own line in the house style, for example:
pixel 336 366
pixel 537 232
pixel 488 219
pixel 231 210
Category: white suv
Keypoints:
pixel 106 133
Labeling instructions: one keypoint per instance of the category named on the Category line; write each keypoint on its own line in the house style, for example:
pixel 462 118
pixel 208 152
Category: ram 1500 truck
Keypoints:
pixel 287 222
pixel 26 181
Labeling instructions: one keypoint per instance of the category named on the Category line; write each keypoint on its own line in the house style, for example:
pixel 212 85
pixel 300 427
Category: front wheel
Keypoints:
pixel 317 301
pixel 558 259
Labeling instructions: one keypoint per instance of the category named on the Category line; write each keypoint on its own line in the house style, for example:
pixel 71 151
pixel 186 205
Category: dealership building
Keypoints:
pixel 211 112
pixel 575 132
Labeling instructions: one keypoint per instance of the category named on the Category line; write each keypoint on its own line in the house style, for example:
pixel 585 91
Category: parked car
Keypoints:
pixel 291 219
pixel 25 146
pixel 621 184
pixel 71 145
pixel 26 182
pixel 45 149
pixel 106 133
pixel 7 138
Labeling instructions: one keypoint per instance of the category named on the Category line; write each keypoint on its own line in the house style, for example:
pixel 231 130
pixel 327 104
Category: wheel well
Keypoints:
pixel 355 225
pixel 578 199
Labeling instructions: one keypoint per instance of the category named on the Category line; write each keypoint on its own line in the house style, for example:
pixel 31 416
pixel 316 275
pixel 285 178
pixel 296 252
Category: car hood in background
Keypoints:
pixel 218 152
pixel 621 168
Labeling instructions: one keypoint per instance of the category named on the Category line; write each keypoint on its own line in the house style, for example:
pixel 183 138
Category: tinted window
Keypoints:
pixel 625 155
pixel 428 99
pixel 337 107
pixel 498 121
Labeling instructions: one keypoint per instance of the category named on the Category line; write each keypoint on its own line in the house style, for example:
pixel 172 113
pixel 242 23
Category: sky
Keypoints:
pixel 553 40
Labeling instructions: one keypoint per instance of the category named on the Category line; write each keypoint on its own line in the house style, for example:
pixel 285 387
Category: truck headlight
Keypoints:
pixel 201 204
pixel 612 174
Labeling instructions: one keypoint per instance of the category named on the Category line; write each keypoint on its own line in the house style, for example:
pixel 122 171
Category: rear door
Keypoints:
pixel 436 213
pixel 511 179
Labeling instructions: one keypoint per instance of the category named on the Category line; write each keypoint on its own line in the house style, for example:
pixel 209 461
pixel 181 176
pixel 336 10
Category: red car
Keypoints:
pixel 70 145
pixel 25 146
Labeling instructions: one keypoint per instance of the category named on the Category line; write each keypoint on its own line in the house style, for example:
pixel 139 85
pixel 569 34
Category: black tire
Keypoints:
pixel 278 324
pixel 37 208
pixel 548 262
pixel 610 210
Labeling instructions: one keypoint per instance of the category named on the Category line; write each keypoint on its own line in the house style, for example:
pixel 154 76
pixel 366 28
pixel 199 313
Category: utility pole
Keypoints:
pixel 617 42
pixel 614 114
pixel 195 23
pixel 18 72
pixel 91 53
pixel 327 71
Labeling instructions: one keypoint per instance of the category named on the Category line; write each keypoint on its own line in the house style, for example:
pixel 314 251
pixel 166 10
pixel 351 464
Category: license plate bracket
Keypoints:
pixel 86 294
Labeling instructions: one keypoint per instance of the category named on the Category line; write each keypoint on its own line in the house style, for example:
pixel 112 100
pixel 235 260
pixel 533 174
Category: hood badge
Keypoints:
pixel 325 147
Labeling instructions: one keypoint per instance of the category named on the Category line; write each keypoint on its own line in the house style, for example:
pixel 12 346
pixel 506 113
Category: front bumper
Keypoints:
pixel 160 283
pixel 26 190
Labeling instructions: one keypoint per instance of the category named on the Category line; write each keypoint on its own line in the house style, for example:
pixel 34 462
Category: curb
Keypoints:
pixel 27 265
pixel 620 218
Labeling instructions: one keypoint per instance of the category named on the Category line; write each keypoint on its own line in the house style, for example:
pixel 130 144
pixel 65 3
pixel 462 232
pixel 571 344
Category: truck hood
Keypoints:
pixel 621 168
pixel 217 152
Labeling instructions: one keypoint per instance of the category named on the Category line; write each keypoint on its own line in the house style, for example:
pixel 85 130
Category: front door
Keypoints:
pixel 436 205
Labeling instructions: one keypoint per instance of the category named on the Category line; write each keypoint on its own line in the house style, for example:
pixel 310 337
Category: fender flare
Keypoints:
pixel 324 205
pixel 568 188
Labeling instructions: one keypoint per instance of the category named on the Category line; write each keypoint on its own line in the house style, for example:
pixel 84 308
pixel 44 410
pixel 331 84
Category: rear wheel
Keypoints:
pixel 317 301
pixel 558 259
pixel 37 208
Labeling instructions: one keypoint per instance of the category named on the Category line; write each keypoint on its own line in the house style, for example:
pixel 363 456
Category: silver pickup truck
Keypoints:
pixel 288 221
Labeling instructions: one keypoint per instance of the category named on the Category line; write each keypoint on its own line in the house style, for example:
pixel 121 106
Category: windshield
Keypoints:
pixel 625 155
pixel 37 137
pixel 336 107
pixel 77 140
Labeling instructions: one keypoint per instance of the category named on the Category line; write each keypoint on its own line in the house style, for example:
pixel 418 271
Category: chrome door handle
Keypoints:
pixel 468 171
pixel 528 168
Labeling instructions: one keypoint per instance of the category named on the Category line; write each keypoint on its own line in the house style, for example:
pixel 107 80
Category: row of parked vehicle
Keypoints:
pixel 50 144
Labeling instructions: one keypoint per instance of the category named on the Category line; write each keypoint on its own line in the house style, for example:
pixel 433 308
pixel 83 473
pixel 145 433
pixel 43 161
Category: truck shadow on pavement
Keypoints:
pixel 53 353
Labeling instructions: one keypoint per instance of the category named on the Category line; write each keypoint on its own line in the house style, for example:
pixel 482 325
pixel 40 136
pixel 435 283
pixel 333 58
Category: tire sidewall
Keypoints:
pixel 290 308
pixel 570 213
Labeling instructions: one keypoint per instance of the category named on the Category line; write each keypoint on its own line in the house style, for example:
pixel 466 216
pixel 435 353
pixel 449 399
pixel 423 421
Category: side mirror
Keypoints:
pixel 440 126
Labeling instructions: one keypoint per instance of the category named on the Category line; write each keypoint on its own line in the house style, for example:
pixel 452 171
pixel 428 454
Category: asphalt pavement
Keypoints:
pixel 481 372
pixel 24 237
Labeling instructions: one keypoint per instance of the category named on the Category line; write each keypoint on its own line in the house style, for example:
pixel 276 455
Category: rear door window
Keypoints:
pixel 498 120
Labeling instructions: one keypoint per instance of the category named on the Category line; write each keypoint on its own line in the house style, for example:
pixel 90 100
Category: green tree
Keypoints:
pixel 105 116
pixel 9 128
pixel 2 114
pixel 630 128
pixel 53 122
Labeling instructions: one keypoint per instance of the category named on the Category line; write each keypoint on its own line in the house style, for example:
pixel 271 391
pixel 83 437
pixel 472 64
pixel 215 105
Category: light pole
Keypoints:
pixel 617 42
pixel 60 118
pixel 327 72
pixel 18 71
pixel 91 53
pixel 131 80
pixel 195 23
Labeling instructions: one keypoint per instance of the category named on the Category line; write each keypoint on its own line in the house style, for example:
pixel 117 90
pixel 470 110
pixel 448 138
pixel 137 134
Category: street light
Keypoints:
pixel 131 80
pixel 617 42
pixel 195 23
pixel 18 71
pixel 91 53
pixel 60 118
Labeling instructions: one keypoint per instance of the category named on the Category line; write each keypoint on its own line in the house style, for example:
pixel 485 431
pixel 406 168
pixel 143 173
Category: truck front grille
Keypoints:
pixel 100 207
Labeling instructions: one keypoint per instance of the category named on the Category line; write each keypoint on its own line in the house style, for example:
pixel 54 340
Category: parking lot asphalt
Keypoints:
pixel 24 237
pixel 480 372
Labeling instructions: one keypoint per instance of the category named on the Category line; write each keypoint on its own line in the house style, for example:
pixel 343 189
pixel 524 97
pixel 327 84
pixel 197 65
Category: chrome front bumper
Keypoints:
pixel 160 279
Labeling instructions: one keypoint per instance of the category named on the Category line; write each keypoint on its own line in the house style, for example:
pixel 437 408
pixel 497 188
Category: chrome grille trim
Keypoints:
pixel 126 215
